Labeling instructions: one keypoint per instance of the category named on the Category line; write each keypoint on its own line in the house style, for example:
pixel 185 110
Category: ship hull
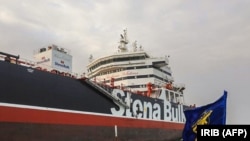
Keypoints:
pixel 40 124
pixel 40 106
pixel 54 132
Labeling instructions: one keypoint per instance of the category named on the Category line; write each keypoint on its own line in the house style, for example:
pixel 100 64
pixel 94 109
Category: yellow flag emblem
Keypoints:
pixel 203 120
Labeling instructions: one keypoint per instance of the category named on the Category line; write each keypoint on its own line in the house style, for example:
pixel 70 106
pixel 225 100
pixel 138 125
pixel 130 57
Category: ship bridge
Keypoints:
pixel 130 69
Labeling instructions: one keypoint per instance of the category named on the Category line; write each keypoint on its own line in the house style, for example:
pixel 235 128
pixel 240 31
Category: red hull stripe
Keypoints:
pixel 26 115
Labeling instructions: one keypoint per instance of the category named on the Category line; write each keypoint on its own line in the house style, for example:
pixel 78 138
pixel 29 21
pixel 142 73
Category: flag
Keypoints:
pixel 211 114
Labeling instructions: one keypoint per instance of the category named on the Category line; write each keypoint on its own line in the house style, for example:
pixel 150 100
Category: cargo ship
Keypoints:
pixel 126 96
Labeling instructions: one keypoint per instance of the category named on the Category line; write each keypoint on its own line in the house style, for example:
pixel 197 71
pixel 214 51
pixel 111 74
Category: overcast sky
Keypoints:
pixel 207 40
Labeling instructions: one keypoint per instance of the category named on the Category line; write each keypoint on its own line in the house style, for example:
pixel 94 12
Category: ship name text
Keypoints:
pixel 61 65
pixel 43 61
pixel 156 109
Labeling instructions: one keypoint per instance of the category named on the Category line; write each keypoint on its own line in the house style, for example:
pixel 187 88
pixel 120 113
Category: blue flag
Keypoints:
pixel 211 114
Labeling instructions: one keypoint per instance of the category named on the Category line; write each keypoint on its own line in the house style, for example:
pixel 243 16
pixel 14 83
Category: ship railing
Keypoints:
pixel 9 57
pixel 52 47
pixel 16 59
pixel 173 96
pixel 27 63
pixel 47 68
pixel 179 87
pixel 107 91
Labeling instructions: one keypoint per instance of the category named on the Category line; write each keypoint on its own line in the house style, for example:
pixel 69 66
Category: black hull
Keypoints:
pixel 45 89
pixel 22 86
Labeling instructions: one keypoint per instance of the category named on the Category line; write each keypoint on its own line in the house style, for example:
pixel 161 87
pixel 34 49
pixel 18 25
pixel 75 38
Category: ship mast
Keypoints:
pixel 123 42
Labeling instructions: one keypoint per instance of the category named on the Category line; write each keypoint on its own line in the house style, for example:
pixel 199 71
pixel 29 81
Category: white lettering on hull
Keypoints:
pixel 161 110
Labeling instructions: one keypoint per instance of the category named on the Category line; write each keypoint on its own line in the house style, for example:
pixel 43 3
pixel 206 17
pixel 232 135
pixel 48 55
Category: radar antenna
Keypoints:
pixel 135 46
pixel 123 42
pixel 91 58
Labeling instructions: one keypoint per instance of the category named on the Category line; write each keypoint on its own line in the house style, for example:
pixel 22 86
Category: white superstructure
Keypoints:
pixel 132 70
pixel 53 57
